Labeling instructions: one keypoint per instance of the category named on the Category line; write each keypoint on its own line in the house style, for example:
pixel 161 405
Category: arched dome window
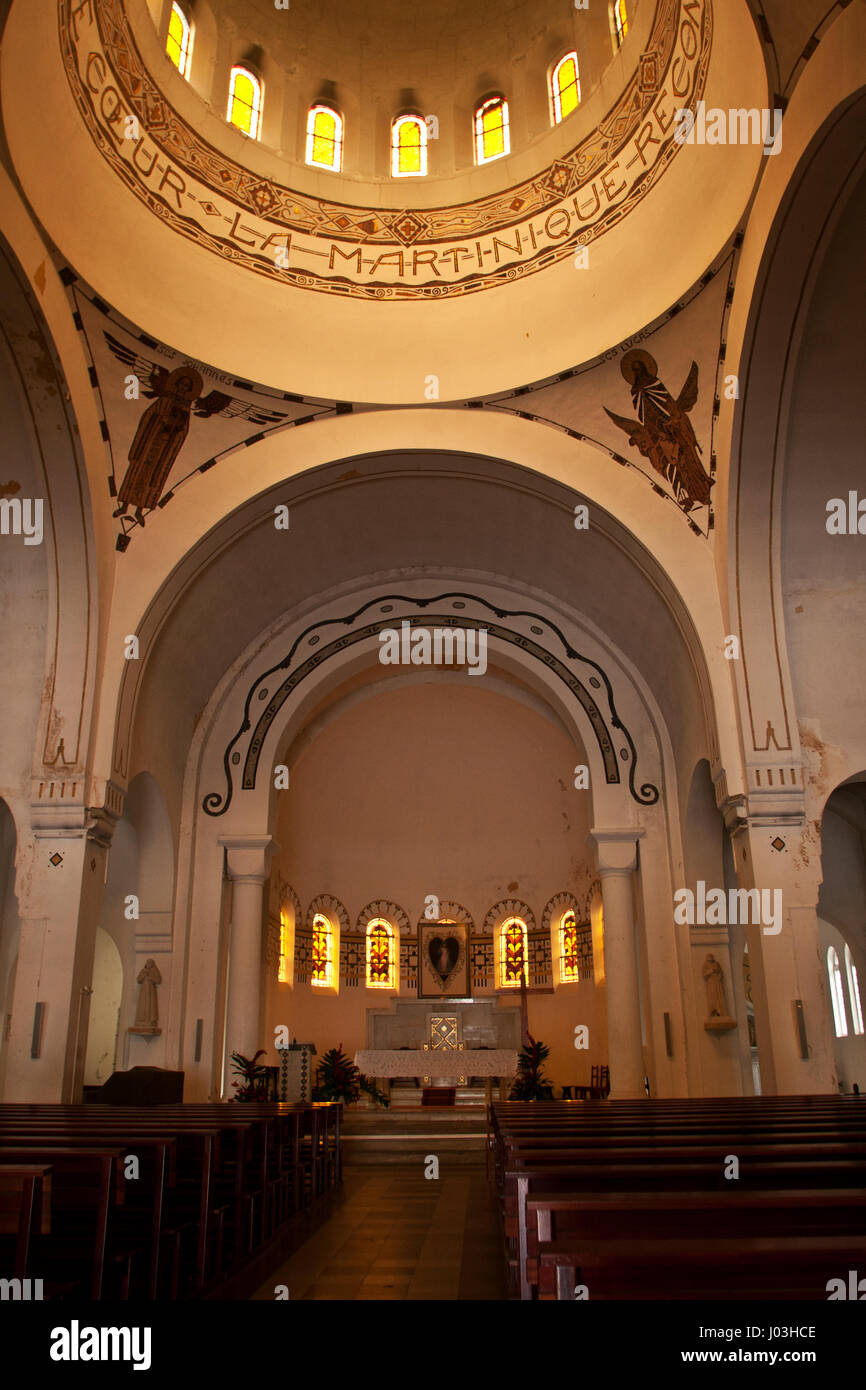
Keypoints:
pixel 381 955
pixel 569 966
pixel 178 44
pixel 245 102
pixel 565 87
pixel 619 16
pixel 408 146
pixel 325 138
pixel 854 991
pixel 492 137
pixel 837 994
pixel 322 951
pixel 513 952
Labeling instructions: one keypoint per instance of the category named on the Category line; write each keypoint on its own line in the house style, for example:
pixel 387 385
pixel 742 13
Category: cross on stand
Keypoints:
pixel 525 991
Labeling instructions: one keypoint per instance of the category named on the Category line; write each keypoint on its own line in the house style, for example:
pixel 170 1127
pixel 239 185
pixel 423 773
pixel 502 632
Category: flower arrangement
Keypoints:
pixel 530 1083
pixel 337 1078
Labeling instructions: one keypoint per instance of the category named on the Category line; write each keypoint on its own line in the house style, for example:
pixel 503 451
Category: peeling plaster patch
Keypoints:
pixel 9 489
pixel 828 764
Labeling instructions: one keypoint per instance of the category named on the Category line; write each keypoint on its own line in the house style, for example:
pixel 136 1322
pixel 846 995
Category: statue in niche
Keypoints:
pixel 147 1013
pixel 719 1018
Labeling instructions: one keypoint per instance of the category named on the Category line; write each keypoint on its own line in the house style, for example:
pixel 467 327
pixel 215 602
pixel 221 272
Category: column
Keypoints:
pixel 617 861
pixel 60 878
pixel 789 986
pixel 247 862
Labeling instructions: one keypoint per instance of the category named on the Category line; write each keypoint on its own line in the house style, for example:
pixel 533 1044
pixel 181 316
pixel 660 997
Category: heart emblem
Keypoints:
pixel 443 955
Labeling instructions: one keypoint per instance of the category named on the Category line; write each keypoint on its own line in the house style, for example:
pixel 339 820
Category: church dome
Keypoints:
pixel 359 283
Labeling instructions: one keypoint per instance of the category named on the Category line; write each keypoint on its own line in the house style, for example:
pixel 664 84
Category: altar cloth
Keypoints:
pixel 441 1062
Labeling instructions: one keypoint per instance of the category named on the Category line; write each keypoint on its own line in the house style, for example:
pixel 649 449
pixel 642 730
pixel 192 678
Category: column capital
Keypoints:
pixel 617 848
pixel 248 856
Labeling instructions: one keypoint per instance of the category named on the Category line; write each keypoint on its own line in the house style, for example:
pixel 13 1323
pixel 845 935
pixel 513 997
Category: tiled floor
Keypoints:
pixel 394 1234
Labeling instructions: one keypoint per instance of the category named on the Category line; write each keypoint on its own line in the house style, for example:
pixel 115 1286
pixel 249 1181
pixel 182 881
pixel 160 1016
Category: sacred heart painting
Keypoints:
pixel 443 957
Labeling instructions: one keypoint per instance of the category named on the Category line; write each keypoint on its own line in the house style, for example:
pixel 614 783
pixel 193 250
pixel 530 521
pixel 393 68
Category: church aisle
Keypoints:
pixel 396 1235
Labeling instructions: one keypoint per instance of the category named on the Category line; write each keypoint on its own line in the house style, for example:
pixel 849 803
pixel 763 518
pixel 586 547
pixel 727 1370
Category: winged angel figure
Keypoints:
pixel 663 432
pixel 164 426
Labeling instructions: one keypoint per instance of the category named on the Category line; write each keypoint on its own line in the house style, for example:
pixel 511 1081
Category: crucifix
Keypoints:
pixel 525 991
pixel 524 1004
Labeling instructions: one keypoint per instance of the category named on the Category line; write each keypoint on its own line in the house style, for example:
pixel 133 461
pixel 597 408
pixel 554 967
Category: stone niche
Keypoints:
pixel 480 1023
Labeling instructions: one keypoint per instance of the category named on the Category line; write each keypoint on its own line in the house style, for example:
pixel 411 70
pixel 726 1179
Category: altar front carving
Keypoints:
pixel 385 1064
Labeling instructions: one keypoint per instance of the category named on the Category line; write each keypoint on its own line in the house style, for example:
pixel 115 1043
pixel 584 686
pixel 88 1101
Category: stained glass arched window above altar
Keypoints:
pixel 322 951
pixel 513 952
pixel 569 963
pixel 381 955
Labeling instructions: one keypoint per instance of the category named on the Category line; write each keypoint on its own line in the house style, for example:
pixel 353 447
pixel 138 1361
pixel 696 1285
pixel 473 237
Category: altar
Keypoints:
pixel 382 1064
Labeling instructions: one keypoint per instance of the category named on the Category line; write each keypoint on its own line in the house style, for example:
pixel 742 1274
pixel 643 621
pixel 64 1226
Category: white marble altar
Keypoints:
pixel 441 1062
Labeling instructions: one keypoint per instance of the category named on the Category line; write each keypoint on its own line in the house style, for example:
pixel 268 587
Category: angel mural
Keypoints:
pixel 663 432
pixel 164 426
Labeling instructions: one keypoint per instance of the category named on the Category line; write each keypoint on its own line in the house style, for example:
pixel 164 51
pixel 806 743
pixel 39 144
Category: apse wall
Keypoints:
pixel 437 788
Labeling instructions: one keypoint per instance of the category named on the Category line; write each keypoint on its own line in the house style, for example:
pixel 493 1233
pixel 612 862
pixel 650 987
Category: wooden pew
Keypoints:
pixel 25 1212
pixel 257 1166
pixel 610 1170
pixel 87 1187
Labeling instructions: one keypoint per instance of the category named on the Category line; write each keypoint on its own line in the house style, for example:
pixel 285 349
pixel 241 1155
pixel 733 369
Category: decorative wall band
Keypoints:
pixel 217 803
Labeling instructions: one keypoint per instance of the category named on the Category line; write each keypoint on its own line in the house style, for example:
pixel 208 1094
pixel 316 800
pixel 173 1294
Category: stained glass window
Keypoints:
pixel 381 965
pixel 408 146
pixel 178 44
pixel 322 950
pixel 492 139
pixel 854 992
pixel 837 994
pixel 568 948
pixel 245 102
pixel 620 21
pixel 512 951
pixel 325 137
pixel 283 971
pixel 565 87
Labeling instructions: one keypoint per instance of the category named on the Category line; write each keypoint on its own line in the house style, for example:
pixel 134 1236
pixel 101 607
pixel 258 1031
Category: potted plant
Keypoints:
pixel 253 1084
pixel 337 1078
pixel 530 1083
